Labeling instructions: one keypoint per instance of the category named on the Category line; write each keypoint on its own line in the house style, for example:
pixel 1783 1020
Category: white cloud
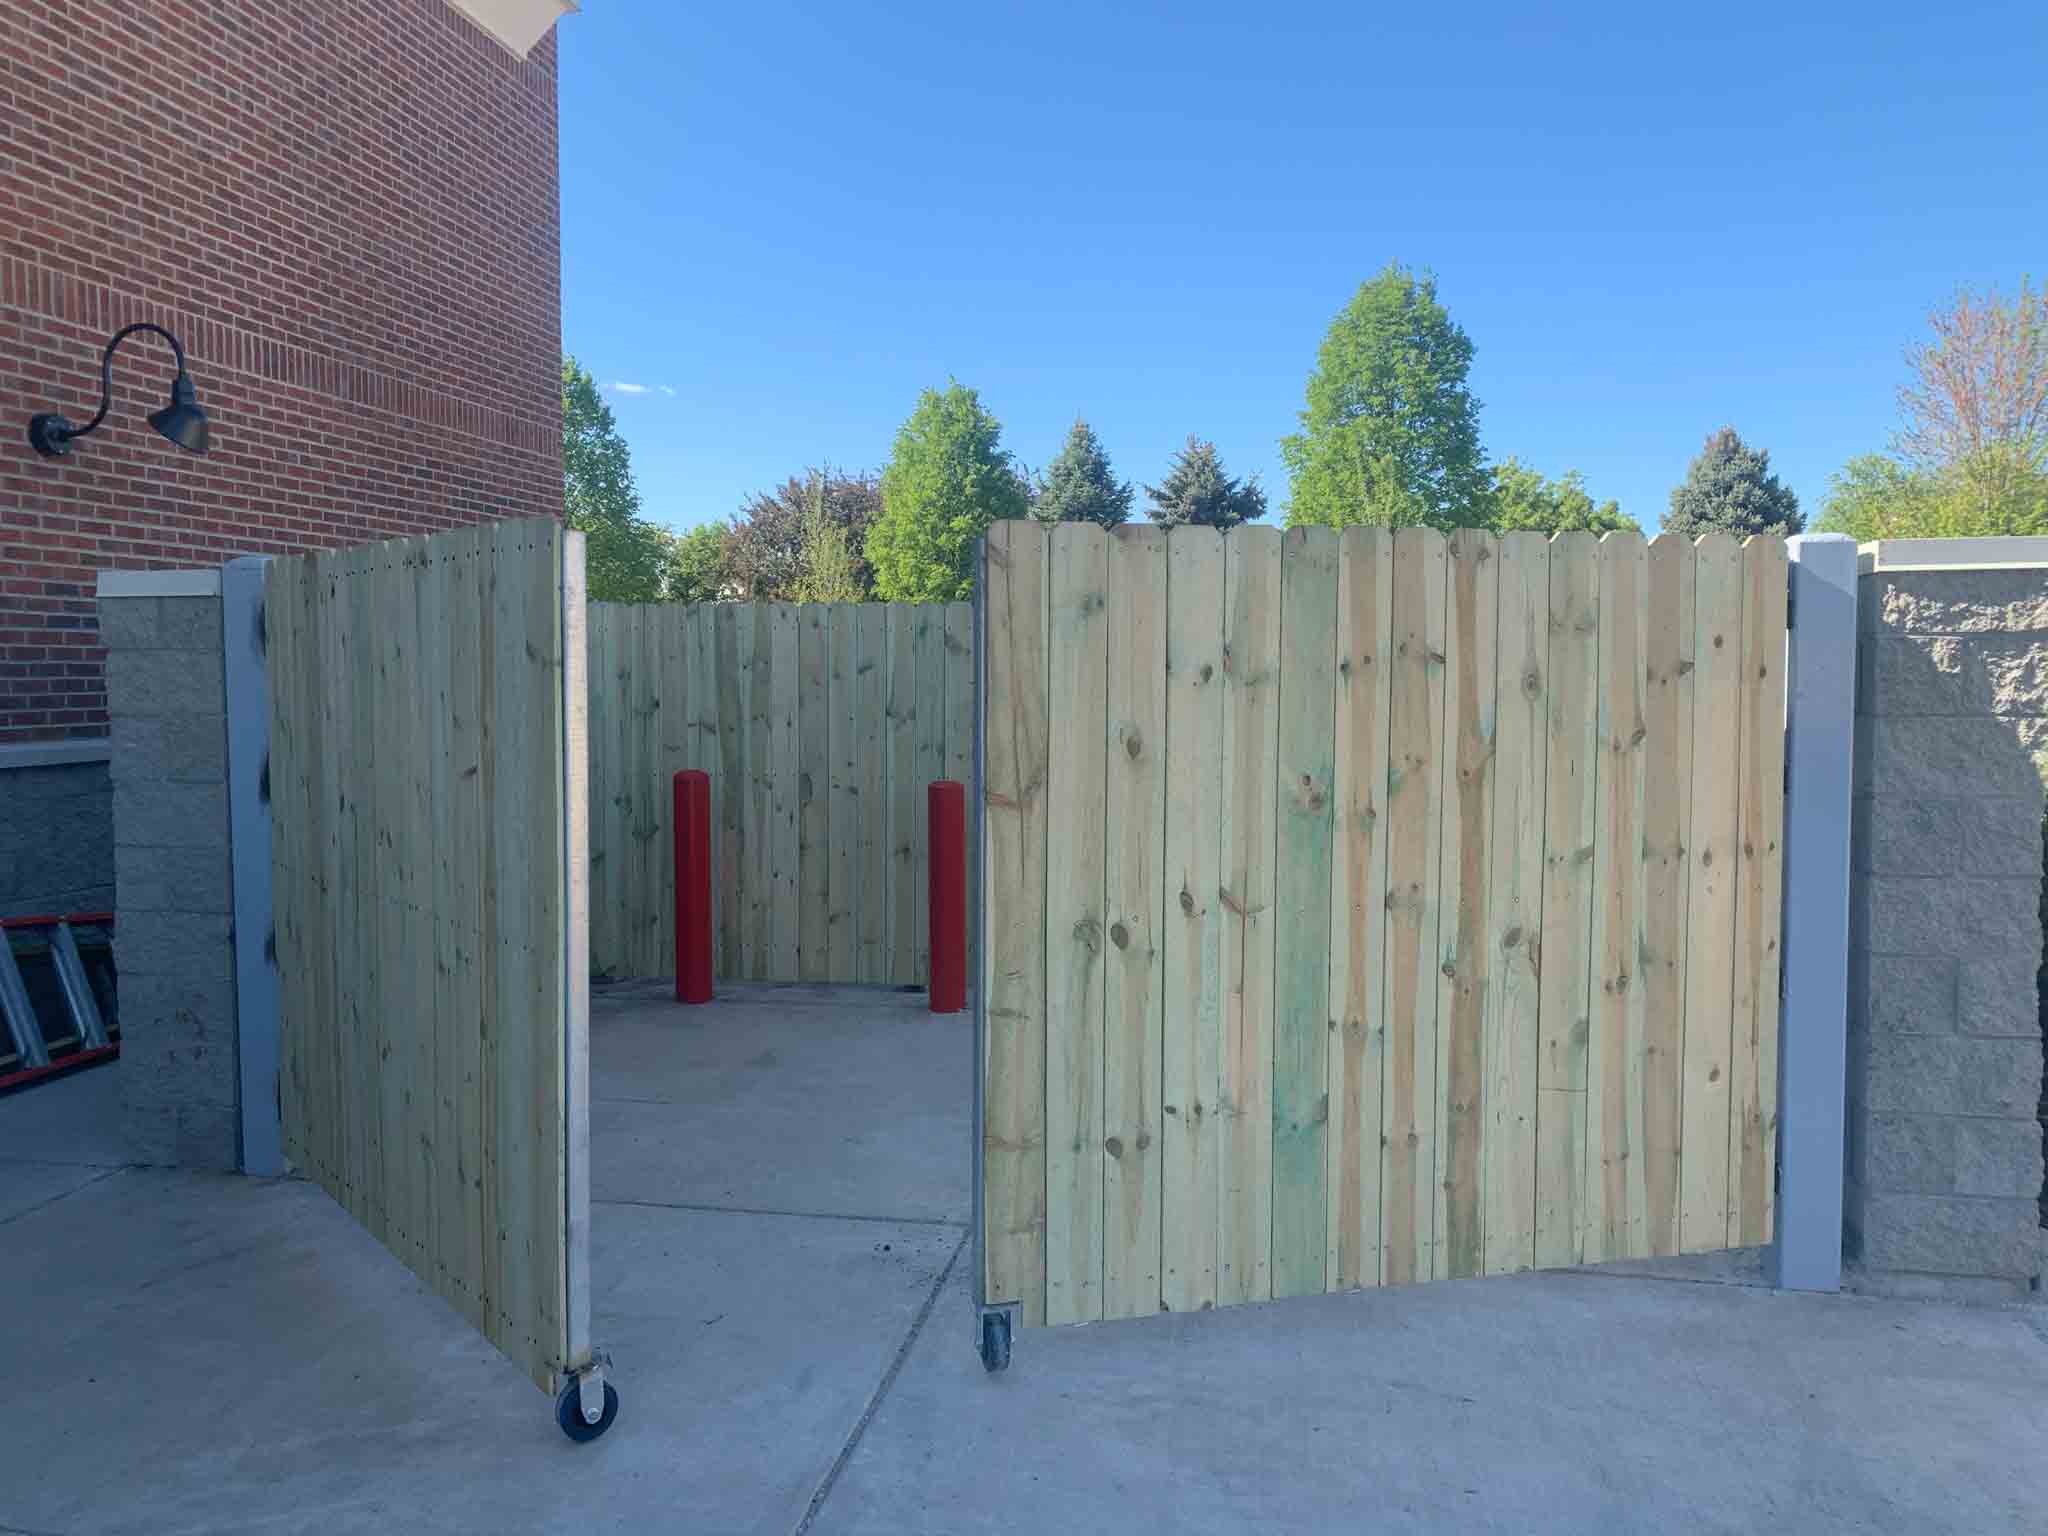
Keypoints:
pixel 669 390
pixel 621 387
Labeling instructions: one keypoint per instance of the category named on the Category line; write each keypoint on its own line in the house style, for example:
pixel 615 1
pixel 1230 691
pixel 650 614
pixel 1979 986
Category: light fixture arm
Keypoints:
pixel 107 369
pixel 182 421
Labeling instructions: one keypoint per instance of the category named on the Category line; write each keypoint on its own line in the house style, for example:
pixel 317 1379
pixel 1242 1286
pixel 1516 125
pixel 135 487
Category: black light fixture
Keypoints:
pixel 181 421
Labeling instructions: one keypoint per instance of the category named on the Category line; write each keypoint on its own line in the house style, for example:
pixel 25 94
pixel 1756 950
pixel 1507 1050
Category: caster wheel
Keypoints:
pixel 569 1412
pixel 995 1341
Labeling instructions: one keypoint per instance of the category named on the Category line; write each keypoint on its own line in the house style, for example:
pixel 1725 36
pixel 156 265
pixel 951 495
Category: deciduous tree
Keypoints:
pixel 1390 432
pixel 947 480
pixel 626 558
pixel 1524 500
pixel 764 556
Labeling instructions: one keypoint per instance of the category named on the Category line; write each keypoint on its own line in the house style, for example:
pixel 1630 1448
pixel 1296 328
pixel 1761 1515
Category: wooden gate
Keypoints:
pixel 426 779
pixel 1372 907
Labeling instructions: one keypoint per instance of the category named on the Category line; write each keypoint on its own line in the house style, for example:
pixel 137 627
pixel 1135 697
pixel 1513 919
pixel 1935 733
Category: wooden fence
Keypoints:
pixel 1373 907
pixel 428 815
pixel 820 725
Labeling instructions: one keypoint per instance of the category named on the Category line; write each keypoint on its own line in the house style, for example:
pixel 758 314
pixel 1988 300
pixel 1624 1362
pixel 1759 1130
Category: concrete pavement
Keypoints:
pixel 779 1271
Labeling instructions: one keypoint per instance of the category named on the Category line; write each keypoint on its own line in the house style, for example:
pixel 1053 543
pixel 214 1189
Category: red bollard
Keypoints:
pixel 693 886
pixel 946 819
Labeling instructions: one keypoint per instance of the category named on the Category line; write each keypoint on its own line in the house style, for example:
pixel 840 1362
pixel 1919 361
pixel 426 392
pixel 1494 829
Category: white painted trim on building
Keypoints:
pixel 2007 554
pixel 55 754
pixel 518 24
pixel 185 583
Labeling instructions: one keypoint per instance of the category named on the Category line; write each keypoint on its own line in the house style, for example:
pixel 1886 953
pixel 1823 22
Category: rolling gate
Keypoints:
pixel 1411 910
pixel 1379 906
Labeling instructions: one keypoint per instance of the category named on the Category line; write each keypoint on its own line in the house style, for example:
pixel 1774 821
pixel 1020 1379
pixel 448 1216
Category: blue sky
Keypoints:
pixel 782 221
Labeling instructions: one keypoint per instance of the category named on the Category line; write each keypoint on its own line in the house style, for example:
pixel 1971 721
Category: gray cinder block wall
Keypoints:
pixel 173 941
pixel 56 828
pixel 1945 1049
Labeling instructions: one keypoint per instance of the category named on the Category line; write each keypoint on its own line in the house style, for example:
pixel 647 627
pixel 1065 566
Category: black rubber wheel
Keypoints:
pixel 995 1341
pixel 569 1412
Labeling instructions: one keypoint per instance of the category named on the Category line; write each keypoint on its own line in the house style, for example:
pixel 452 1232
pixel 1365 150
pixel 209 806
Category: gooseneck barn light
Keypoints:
pixel 181 421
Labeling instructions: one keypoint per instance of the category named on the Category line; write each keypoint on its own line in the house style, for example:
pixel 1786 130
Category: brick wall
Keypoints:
pixel 347 211
pixel 1945 927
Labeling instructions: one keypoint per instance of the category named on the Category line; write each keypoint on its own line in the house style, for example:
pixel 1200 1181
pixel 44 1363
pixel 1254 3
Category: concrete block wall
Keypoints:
pixel 173 940
pixel 1945 1046
pixel 56 829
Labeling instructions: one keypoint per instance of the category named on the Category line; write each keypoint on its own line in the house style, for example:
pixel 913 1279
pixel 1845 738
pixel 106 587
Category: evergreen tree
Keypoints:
pixel 1078 486
pixel 948 479
pixel 1390 433
pixel 626 558
pixel 1197 490
pixel 1730 487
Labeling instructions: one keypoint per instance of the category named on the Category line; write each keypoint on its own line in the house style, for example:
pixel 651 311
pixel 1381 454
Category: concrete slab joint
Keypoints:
pixel 1945 1175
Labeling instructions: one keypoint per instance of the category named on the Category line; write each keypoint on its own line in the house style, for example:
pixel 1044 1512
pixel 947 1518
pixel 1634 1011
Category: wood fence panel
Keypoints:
pixel 1133 1055
pixel 780 958
pixel 1013 960
pixel 1415 816
pixel 1075 923
pixel 421 851
pixel 1759 895
pixel 814 791
pixel 844 877
pixel 871 905
pixel 1667 823
pixel 906 798
pixel 1713 870
pixel 1471 590
pixel 1301 909
pixel 1358 906
pixel 1251 719
pixel 928 757
pixel 1515 900
pixel 1614 1195
pixel 1192 1052
pixel 1506 997
pixel 1570 783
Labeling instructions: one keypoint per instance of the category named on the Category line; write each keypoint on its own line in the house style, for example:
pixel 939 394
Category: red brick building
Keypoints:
pixel 347 211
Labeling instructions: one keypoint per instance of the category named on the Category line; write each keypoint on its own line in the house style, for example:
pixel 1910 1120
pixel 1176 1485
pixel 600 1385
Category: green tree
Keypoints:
pixel 765 551
pixel 1999 490
pixel 1078 486
pixel 1198 490
pixel 1524 500
pixel 947 480
pixel 1390 433
pixel 696 570
pixel 829 573
pixel 1730 487
pixel 626 558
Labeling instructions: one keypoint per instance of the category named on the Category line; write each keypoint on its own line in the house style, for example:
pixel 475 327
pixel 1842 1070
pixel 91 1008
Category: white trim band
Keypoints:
pixel 186 583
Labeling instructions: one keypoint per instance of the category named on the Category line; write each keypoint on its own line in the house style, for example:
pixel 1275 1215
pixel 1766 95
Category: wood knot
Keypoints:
pixel 1119 935
pixel 1114 1146
pixel 1088 932
pixel 1187 901
pixel 1133 744
pixel 1512 937
pixel 1206 673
